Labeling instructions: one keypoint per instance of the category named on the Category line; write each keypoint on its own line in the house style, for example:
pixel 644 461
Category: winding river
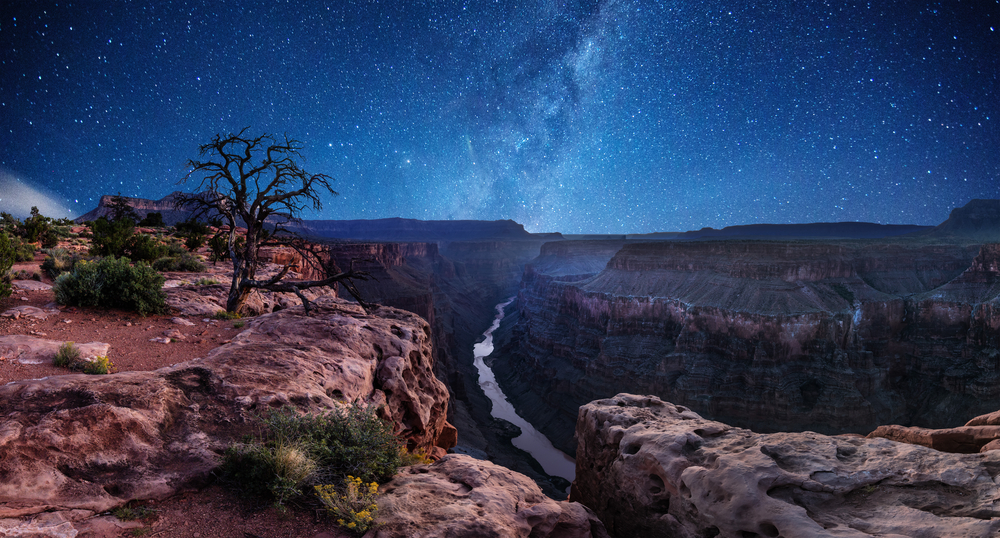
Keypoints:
pixel 554 461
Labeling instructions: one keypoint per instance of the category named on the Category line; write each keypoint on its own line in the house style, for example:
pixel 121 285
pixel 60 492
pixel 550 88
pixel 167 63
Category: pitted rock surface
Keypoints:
pixel 654 469
pixel 462 497
pixel 90 443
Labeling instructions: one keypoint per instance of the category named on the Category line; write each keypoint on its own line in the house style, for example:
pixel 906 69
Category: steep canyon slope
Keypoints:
pixel 770 335
pixel 454 285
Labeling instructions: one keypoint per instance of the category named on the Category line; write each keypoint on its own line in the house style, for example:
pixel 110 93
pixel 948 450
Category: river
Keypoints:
pixel 554 461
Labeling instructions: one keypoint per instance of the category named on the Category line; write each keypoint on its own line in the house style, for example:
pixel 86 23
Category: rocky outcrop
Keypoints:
pixel 89 443
pixel 654 469
pixel 830 337
pixel 980 434
pixel 31 350
pixel 454 285
pixel 978 220
pixel 461 497
pixel 207 301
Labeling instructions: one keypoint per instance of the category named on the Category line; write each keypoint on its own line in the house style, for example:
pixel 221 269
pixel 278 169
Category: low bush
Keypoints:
pixel 67 356
pixel 203 281
pixel 144 247
pixel 355 507
pixel 23 250
pixel 98 366
pixel 348 442
pixel 186 262
pixel 59 261
pixel 7 256
pixel 152 220
pixel 112 283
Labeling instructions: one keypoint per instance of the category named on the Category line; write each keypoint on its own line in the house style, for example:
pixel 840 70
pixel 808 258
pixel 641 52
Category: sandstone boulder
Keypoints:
pixel 89 443
pixel 462 497
pixel 206 301
pixel 30 285
pixel 32 350
pixel 650 468
pixel 961 440
pixel 29 312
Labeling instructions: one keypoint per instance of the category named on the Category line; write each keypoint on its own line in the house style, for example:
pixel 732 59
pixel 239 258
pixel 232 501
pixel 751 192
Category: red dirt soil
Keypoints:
pixel 213 512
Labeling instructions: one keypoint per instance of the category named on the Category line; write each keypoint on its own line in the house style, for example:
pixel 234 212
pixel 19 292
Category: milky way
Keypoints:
pixel 581 117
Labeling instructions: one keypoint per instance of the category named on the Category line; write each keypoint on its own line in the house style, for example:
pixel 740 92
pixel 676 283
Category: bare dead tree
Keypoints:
pixel 257 182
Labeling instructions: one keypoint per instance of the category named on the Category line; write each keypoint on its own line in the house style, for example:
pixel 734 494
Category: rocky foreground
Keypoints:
pixel 74 446
pixel 654 469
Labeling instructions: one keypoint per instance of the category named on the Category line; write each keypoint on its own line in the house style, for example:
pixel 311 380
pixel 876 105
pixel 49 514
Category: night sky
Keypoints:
pixel 574 116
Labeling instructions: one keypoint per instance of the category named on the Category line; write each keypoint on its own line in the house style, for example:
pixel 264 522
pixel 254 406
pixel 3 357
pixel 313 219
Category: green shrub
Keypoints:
pixel 98 366
pixel 225 316
pixel 184 263
pixel 219 246
pixel 355 507
pixel 59 261
pixel 143 247
pixel 23 250
pixel 112 283
pixel 67 356
pixel 152 220
pixel 111 238
pixel 7 256
pixel 174 249
pixel 194 241
pixel 203 281
pixel 351 441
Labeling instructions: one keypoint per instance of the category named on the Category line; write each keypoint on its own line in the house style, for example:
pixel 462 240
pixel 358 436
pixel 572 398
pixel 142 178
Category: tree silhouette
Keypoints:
pixel 257 182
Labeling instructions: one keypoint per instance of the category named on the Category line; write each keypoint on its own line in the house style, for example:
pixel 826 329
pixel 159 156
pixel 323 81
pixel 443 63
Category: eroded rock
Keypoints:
pixel 32 350
pixel 94 442
pixel 651 468
pixel 29 312
pixel 462 497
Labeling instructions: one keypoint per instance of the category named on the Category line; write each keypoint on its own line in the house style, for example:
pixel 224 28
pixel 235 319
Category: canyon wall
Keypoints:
pixel 455 286
pixel 773 336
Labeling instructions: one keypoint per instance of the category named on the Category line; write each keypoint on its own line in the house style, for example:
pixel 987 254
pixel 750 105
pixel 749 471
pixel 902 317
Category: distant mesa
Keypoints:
pixel 399 229
pixel 816 230
pixel 978 220
pixel 164 206
pixel 392 229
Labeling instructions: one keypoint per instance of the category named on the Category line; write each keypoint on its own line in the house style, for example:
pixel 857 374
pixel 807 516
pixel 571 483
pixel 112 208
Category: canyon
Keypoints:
pixel 816 331
pixel 829 336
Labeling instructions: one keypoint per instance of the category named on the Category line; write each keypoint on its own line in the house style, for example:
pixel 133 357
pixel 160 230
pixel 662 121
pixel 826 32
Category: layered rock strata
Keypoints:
pixel 454 285
pixel 831 337
pixel 89 443
pixel 654 469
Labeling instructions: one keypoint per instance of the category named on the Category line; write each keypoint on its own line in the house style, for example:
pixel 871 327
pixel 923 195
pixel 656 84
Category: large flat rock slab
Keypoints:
pixel 30 285
pixel 32 350
pixel 29 312
pixel 654 469
pixel 462 497
pixel 90 443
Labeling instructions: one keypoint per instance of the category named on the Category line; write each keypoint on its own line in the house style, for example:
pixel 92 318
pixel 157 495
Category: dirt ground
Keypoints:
pixel 213 512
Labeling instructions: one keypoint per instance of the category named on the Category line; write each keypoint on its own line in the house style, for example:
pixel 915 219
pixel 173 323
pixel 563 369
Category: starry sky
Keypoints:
pixel 578 116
